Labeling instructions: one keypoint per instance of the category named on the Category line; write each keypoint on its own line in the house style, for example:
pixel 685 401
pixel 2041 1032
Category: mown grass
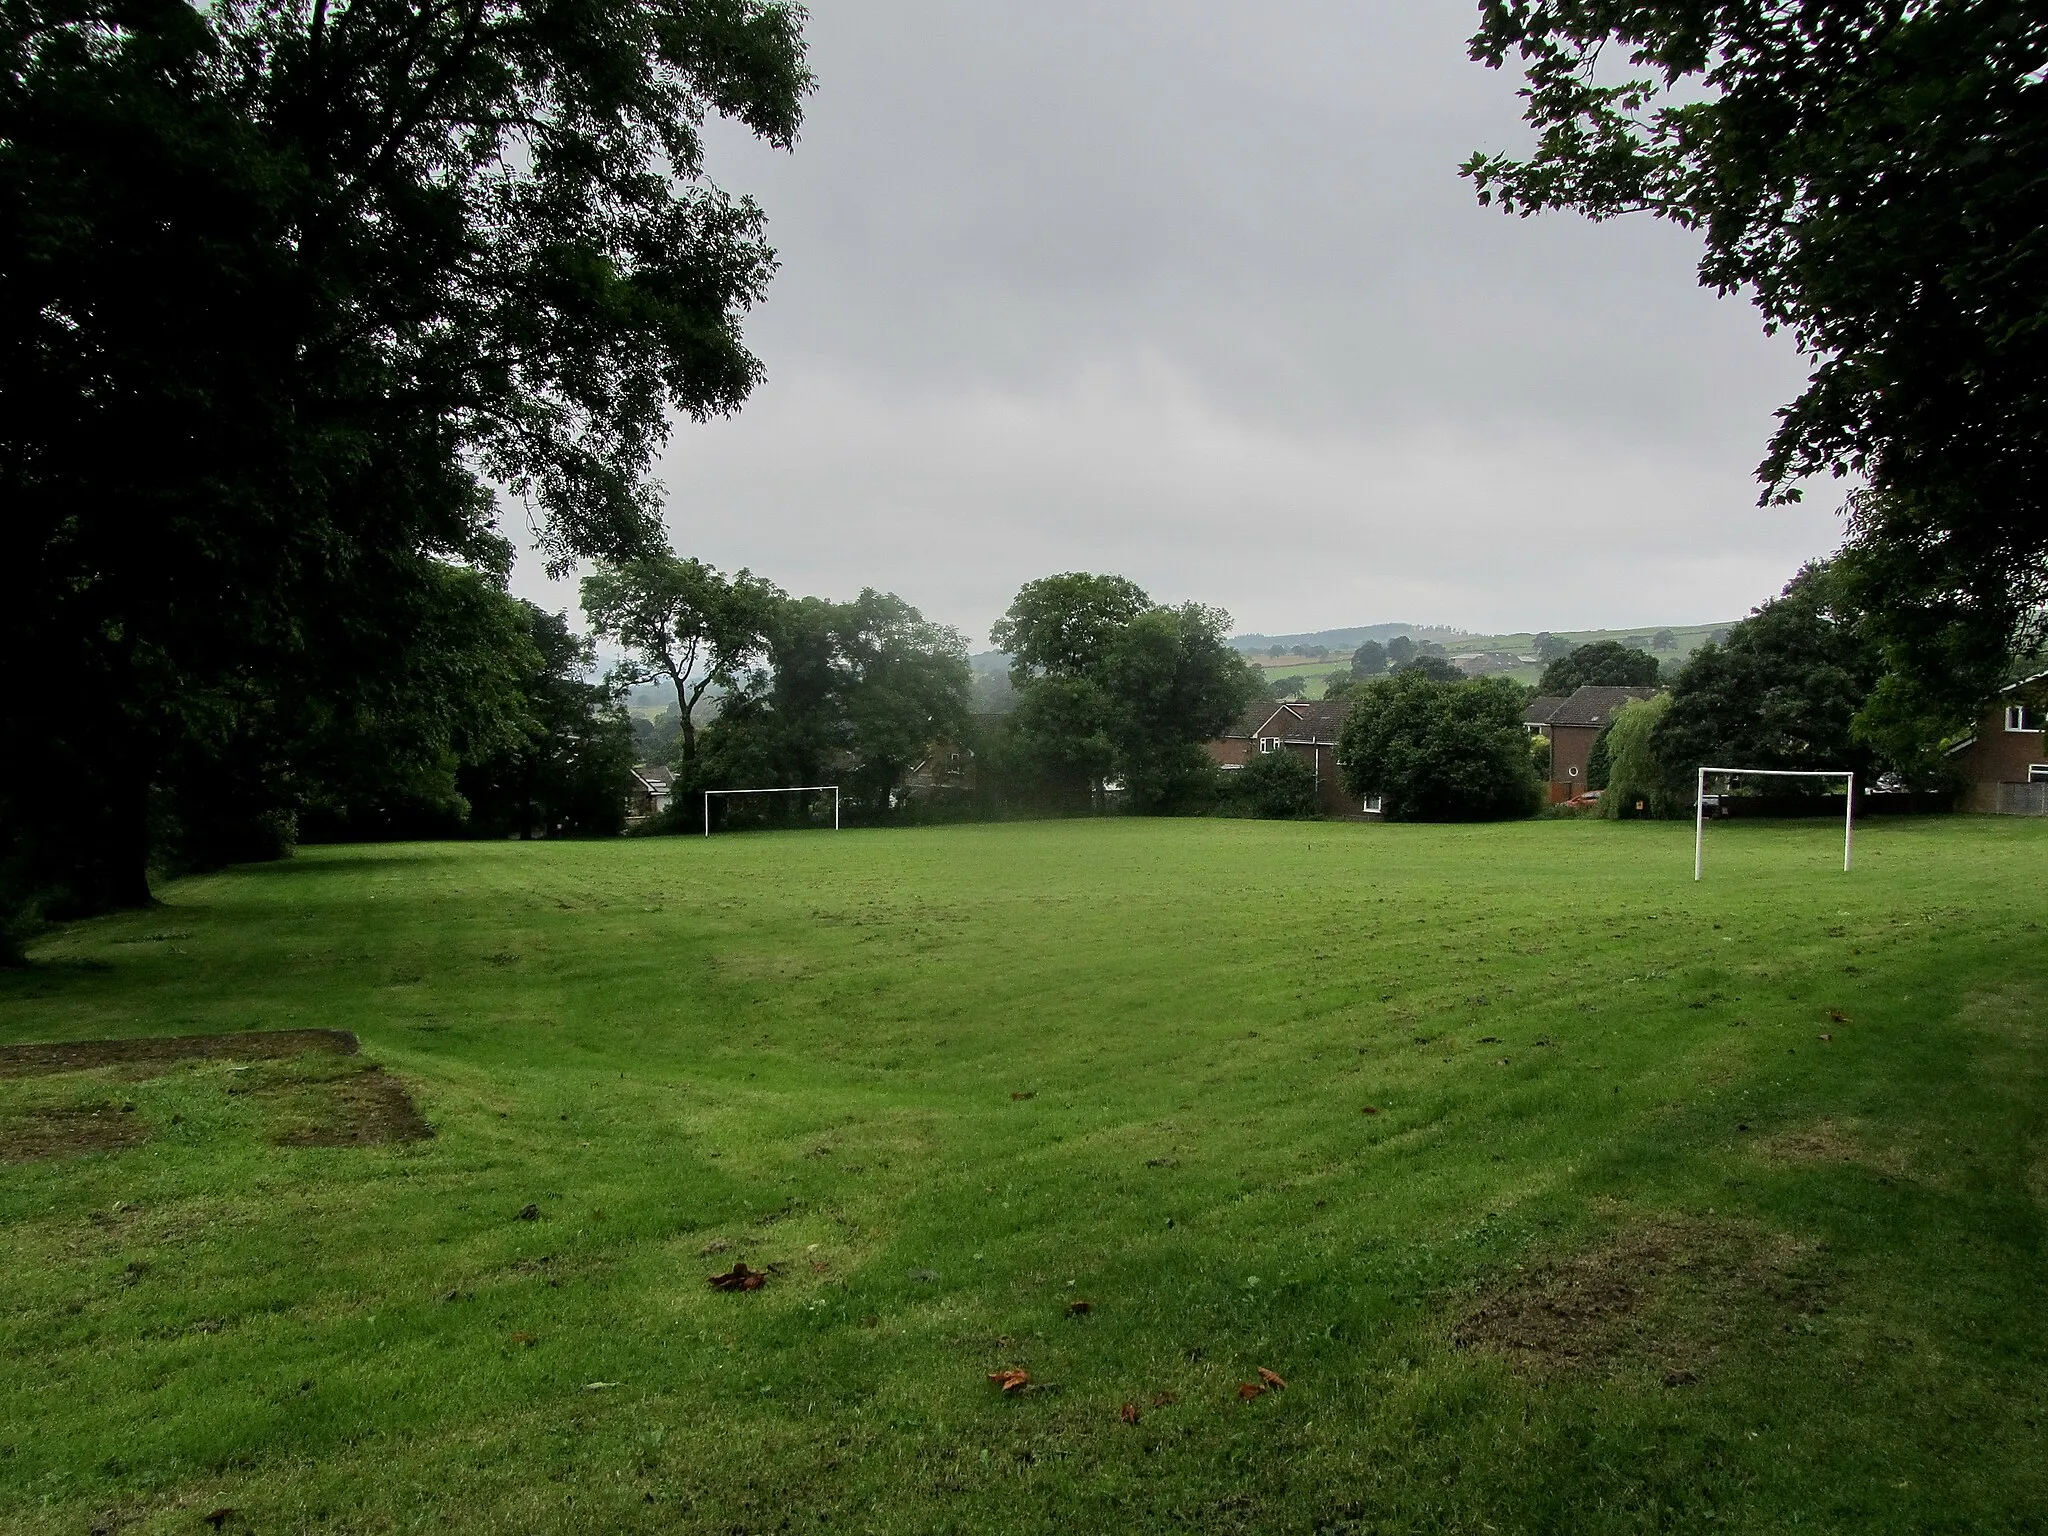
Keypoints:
pixel 1627 1245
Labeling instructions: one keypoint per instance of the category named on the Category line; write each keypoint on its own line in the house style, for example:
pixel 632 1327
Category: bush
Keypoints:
pixel 1278 786
pixel 1441 751
pixel 1633 771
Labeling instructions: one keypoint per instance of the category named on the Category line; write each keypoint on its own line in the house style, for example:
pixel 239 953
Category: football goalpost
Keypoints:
pixel 795 789
pixel 1699 817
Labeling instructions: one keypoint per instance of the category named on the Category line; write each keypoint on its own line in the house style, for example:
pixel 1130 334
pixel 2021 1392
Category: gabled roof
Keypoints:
pixel 1292 720
pixel 1595 706
pixel 656 779
pixel 2022 682
pixel 1541 709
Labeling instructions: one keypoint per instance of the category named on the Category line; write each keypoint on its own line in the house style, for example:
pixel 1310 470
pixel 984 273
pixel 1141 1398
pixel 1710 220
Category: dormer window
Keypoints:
pixel 1269 743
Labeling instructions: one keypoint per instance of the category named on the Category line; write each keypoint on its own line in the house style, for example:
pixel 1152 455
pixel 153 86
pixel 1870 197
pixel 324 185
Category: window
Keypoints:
pixel 2037 773
pixel 1373 803
pixel 2022 717
pixel 1269 744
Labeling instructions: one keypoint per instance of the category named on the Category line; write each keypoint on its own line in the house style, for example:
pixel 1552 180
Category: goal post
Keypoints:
pixel 1699 812
pixel 794 789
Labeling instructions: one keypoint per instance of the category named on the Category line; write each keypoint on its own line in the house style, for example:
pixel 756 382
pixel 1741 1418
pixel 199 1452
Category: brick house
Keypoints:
pixel 1306 727
pixel 1573 725
pixel 648 792
pixel 2004 766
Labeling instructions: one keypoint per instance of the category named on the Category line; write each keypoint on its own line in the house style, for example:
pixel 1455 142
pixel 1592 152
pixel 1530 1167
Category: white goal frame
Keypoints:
pixel 794 789
pixel 1699 814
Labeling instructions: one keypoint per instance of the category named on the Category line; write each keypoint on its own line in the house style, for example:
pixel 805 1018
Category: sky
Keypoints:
pixel 1192 292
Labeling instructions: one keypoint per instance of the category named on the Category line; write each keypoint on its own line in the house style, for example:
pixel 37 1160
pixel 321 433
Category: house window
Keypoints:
pixel 2037 773
pixel 1269 744
pixel 2022 717
pixel 1372 804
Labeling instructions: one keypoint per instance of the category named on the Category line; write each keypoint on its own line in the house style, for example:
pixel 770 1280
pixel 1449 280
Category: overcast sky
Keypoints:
pixel 1193 292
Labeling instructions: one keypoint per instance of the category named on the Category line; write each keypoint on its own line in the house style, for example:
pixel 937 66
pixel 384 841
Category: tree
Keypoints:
pixel 1663 640
pixel 1441 668
pixel 1111 685
pixel 1400 650
pixel 1549 648
pixel 1784 692
pixel 685 621
pixel 1633 772
pixel 1869 172
pixel 287 290
pixel 855 691
pixel 568 774
pixel 1440 751
pixel 1278 786
pixel 1369 660
pixel 1603 664
pixel 1285 687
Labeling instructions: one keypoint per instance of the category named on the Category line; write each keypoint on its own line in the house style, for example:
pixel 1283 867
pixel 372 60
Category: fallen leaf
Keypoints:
pixel 1247 1390
pixel 1080 1308
pixel 738 1278
pixel 1827 1039
pixel 1128 1413
pixel 598 1386
pixel 526 1339
pixel 1161 1399
pixel 819 1266
pixel 1369 1110
pixel 1840 1017
pixel 1011 1381
pixel 1018 1096
pixel 529 1213
pixel 1272 1379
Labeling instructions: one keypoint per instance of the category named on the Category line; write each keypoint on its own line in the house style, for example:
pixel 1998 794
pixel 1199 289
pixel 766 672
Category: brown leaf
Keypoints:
pixel 1080 1308
pixel 1128 1413
pixel 1247 1390
pixel 819 1266
pixel 738 1278
pixel 1369 1109
pixel 1272 1379
pixel 1828 1039
pixel 1161 1399
pixel 1017 1096
pixel 524 1338
pixel 1011 1381
pixel 1840 1017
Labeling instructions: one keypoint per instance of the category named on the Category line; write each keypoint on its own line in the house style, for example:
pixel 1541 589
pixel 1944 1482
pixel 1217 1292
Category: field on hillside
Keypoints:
pixel 1561 1193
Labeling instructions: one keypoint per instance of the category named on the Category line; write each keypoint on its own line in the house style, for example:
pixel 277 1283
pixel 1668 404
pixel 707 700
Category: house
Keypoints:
pixel 648 793
pixel 2004 766
pixel 1306 727
pixel 1573 725
pixel 947 768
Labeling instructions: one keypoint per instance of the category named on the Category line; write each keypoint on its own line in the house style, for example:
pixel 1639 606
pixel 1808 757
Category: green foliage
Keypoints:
pixel 1540 757
pixel 1369 660
pixel 1440 751
pixel 1285 687
pixel 1549 648
pixel 853 693
pixel 1400 651
pixel 1111 687
pixel 1633 770
pixel 1603 664
pixel 1439 668
pixel 1278 786
pixel 685 621
pixel 1784 692
pixel 1870 173
pixel 1598 762
pixel 288 291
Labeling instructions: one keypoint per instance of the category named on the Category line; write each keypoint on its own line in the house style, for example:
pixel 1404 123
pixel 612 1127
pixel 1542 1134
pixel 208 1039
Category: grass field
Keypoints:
pixel 1713 1207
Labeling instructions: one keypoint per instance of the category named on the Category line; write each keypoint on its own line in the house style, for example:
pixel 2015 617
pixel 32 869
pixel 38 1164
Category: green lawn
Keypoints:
pixel 1628 1245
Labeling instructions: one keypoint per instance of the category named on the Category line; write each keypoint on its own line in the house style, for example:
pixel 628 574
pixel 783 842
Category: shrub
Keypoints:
pixel 1278 786
pixel 1440 751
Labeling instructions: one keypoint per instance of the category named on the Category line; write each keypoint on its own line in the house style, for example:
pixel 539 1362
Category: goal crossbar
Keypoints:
pixel 1699 815
pixel 792 789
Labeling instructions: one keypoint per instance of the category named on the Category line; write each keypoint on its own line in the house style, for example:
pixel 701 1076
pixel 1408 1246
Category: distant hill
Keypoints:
pixel 1348 639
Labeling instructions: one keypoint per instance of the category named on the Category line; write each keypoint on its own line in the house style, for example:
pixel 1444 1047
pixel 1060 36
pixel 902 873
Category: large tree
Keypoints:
pixel 286 291
pixel 1871 173
pixel 1782 692
pixel 1440 751
pixel 1604 663
pixel 685 621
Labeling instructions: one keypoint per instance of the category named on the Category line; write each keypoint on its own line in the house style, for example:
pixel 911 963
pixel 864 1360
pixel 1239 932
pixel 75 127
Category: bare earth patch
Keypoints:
pixel 44 1059
pixel 366 1108
pixel 1665 1296
pixel 1828 1142
pixel 65 1130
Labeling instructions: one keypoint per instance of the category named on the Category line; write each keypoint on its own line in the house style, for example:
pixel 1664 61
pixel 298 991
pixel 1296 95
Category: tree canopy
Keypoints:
pixel 1870 173
pixel 1603 664
pixel 1440 751
pixel 288 293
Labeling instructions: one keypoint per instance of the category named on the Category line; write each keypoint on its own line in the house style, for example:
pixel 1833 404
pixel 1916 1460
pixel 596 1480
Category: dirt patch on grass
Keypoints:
pixel 1665 1297
pixel 64 1130
pixel 45 1059
pixel 1828 1142
pixel 364 1108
